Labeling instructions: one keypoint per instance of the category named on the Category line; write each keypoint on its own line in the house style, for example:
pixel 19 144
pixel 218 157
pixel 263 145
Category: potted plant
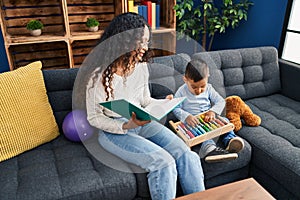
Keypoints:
pixel 92 24
pixel 35 27
pixel 203 21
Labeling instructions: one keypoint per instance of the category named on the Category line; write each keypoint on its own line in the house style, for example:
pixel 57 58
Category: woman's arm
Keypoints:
pixel 97 115
pixel 97 118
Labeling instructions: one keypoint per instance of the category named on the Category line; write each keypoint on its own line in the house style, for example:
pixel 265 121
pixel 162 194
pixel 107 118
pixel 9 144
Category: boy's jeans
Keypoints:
pixel 159 151
pixel 209 145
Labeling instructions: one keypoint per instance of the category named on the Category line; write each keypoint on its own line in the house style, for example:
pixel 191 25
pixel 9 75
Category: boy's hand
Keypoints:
pixel 209 116
pixel 134 122
pixel 192 120
pixel 170 97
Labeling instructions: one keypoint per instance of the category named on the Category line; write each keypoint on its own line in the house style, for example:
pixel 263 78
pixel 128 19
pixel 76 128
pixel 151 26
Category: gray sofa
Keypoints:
pixel 62 169
pixel 271 88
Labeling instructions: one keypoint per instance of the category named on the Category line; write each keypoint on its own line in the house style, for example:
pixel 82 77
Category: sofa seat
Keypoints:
pixel 276 142
pixel 227 172
pixel 63 170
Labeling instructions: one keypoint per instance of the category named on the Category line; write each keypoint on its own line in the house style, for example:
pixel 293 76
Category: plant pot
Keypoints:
pixel 36 32
pixel 93 28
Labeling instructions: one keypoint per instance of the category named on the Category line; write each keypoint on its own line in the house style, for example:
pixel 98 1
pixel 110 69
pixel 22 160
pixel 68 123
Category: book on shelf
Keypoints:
pixel 142 10
pixel 157 16
pixel 153 15
pixel 148 9
pixel 148 4
pixel 156 110
pixel 132 7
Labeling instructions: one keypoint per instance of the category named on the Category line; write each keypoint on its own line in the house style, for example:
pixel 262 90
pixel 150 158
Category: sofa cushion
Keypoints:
pixel 248 72
pixel 60 92
pixel 165 74
pixel 62 169
pixel 26 117
pixel 276 142
pixel 289 74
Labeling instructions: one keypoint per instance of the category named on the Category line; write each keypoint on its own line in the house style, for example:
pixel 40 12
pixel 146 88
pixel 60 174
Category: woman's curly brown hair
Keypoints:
pixel 117 46
pixel 127 31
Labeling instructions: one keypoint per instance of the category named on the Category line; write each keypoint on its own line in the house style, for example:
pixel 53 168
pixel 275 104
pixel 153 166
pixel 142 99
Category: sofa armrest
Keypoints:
pixel 290 79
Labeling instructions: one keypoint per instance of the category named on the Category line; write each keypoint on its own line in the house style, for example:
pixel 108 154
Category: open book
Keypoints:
pixel 154 111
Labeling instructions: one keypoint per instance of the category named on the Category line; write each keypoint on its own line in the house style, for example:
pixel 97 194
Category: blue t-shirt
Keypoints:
pixel 210 99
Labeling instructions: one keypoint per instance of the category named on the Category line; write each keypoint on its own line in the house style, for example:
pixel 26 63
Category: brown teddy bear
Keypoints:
pixel 237 109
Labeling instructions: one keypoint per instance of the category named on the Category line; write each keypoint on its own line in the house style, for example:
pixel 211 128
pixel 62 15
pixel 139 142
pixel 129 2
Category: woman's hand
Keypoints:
pixel 170 96
pixel 134 122
pixel 192 120
pixel 209 116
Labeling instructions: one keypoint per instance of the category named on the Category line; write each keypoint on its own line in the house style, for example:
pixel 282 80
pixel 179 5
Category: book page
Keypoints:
pixel 161 107
pixel 154 111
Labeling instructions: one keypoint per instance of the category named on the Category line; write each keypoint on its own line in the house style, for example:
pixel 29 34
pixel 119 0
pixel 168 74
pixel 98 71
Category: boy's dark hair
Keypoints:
pixel 196 70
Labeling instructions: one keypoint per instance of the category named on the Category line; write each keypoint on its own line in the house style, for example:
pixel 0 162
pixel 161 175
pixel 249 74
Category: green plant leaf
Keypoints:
pixel 191 18
pixel 91 22
pixel 193 32
pixel 197 12
pixel 222 29
pixel 34 25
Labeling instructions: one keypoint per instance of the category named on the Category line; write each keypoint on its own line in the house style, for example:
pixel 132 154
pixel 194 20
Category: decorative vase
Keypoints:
pixel 36 32
pixel 93 28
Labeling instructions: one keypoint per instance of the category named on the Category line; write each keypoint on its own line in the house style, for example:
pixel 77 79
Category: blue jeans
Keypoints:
pixel 227 137
pixel 209 145
pixel 160 152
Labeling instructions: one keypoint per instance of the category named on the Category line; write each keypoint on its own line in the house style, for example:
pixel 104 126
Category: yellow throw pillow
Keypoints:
pixel 26 117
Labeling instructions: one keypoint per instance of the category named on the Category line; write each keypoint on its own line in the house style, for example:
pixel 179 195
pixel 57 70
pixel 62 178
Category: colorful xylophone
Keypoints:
pixel 203 131
pixel 202 128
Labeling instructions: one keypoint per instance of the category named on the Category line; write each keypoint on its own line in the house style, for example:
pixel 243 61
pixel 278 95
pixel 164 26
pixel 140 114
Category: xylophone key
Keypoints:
pixel 186 130
pixel 200 129
pixel 183 131
pixel 206 124
pixel 194 132
pixel 204 127
pixel 197 130
pixel 212 125
pixel 216 124
pixel 219 122
pixel 222 119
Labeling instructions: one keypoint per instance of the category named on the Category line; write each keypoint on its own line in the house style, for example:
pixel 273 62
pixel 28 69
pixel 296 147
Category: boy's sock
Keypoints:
pixel 219 155
pixel 235 145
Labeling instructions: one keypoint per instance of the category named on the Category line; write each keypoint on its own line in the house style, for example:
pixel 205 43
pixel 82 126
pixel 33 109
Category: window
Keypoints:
pixel 290 41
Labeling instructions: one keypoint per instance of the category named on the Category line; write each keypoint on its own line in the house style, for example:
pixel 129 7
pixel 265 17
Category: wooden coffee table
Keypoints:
pixel 244 189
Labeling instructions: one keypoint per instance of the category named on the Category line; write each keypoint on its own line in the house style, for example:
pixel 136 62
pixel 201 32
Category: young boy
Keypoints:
pixel 201 97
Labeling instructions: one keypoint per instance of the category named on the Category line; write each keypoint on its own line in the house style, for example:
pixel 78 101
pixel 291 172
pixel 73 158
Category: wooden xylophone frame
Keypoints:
pixel 199 139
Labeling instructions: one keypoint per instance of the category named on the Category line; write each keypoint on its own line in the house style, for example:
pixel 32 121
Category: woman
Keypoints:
pixel 123 73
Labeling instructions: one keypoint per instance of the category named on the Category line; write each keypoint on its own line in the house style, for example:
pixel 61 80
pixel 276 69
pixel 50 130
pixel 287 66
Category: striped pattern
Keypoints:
pixel 26 117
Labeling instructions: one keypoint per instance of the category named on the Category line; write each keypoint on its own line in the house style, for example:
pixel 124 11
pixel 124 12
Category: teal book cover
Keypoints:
pixel 154 111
